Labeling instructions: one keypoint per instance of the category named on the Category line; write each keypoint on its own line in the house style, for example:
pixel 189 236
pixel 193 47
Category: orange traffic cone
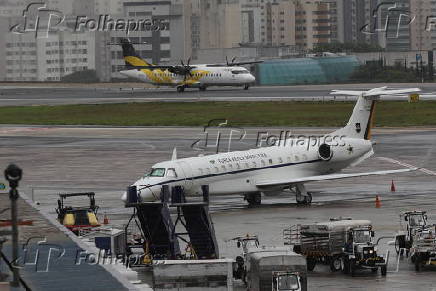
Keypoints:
pixel 105 219
pixel 392 186
pixel 377 202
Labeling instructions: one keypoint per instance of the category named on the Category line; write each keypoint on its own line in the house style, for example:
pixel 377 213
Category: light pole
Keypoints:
pixel 14 174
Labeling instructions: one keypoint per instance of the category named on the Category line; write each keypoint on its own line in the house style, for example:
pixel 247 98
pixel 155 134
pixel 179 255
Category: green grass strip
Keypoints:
pixel 319 114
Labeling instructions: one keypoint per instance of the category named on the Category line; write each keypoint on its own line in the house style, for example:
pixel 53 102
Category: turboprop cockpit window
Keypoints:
pixel 157 172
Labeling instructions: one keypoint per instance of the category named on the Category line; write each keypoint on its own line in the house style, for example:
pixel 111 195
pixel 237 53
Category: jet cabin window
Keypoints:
pixel 157 172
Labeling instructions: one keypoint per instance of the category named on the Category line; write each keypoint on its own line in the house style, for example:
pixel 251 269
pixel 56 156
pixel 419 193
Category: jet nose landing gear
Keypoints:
pixel 254 199
pixel 301 195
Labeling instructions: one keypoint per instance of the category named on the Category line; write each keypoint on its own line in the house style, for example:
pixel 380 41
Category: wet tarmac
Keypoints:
pixel 106 160
pixel 61 94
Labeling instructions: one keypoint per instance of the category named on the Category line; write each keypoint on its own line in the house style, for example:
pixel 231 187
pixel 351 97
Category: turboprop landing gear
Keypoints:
pixel 302 196
pixel 180 89
pixel 254 199
pixel 246 86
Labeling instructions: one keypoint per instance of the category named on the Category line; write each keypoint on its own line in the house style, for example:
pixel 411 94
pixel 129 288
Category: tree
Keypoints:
pixel 338 47
pixel 86 76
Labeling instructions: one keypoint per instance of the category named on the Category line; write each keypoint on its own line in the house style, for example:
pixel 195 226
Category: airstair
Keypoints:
pixel 162 232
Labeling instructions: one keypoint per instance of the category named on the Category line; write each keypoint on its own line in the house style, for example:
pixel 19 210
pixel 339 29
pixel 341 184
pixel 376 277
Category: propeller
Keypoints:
pixel 185 69
pixel 232 62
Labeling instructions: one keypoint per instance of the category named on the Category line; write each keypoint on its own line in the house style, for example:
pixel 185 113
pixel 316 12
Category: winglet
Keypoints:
pixel 174 156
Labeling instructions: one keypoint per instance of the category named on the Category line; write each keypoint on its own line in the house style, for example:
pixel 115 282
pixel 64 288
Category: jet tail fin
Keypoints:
pixel 360 122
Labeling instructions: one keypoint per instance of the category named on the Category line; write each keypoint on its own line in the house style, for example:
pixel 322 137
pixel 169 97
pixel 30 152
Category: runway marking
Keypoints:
pixel 24 129
pixel 424 170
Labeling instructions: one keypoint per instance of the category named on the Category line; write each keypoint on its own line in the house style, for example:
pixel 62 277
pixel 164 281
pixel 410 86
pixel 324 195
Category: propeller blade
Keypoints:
pixel 227 61
pixel 189 61
pixel 233 60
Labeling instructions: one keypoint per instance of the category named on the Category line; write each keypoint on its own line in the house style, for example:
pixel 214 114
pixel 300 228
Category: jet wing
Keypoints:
pixel 234 64
pixel 286 182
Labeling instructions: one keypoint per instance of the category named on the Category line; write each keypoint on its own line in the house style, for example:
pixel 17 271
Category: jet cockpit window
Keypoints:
pixel 171 173
pixel 236 72
pixel 157 172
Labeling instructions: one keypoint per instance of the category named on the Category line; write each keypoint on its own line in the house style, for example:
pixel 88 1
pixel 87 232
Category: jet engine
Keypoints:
pixel 325 152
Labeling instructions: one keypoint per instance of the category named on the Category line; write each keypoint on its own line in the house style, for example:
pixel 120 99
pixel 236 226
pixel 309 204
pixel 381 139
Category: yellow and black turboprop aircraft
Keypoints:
pixel 185 75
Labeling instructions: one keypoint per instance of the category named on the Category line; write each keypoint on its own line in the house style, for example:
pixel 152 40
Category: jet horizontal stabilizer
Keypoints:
pixel 375 92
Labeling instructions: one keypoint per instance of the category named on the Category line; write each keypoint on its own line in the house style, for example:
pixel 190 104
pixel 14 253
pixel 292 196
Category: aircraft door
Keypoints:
pixel 187 173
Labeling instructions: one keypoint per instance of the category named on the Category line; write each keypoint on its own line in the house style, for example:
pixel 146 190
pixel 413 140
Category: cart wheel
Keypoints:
pixel 413 258
pixel 417 263
pixel 311 263
pixel 352 268
pixel 335 264
pixel 374 270
pixel 345 265
pixel 383 270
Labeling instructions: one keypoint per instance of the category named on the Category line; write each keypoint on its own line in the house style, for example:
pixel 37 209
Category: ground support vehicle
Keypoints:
pixel 77 218
pixel 411 223
pixel 269 268
pixel 423 250
pixel 343 244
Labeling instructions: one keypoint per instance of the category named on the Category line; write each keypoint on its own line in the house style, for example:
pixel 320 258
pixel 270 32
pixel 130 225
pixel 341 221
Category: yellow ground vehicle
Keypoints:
pixel 79 217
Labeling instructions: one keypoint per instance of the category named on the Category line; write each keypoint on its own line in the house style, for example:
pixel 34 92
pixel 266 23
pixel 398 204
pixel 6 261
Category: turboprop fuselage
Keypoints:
pixel 200 76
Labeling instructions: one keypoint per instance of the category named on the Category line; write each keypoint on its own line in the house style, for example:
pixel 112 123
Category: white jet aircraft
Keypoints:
pixel 287 165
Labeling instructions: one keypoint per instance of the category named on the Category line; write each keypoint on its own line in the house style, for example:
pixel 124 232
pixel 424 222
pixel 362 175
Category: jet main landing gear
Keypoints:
pixel 254 199
pixel 302 196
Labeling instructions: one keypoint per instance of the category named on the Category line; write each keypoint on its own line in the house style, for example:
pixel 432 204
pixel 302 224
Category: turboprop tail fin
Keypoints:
pixel 131 57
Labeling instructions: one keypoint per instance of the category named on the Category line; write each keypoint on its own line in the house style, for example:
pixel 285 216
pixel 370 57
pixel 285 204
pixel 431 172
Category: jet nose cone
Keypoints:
pixel 124 197
pixel 251 79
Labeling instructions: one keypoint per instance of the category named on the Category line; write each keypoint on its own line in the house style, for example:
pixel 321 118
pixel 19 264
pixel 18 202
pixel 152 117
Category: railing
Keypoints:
pixel 292 235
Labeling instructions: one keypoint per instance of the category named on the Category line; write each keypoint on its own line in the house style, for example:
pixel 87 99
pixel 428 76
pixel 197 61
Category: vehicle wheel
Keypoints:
pixel 352 268
pixel 297 249
pixel 254 199
pixel 374 270
pixel 202 88
pixel 413 259
pixel 180 89
pixel 246 87
pixel 384 270
pixel 417 263
pixel 335 264
pixel 311 263
pixel 400 244
pixel 345 265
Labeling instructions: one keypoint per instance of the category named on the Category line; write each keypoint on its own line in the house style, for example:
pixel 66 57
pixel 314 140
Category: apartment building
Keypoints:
pixel 47 59
pixel 314 23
